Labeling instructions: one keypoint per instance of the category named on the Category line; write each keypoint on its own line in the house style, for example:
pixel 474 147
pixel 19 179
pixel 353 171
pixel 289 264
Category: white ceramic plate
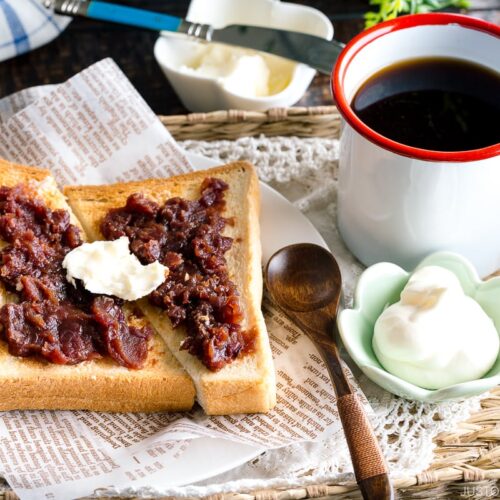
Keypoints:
pixel 281 224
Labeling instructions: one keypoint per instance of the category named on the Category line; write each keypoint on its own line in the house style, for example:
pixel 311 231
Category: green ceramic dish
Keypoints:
pixel 380 285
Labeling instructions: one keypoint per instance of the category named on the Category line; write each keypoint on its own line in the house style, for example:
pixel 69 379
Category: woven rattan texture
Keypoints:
pixel 320 121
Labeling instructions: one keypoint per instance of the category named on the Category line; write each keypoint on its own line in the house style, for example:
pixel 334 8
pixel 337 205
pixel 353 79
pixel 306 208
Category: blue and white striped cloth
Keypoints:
pixel 26 25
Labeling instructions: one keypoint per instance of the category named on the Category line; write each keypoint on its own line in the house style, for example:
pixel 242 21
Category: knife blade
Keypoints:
pixel 314 51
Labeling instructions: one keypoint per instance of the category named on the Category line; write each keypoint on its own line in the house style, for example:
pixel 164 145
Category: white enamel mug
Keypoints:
pixel 399 203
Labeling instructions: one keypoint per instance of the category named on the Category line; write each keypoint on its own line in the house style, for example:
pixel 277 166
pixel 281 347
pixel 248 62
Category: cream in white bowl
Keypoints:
pixel 242 72
pixel 381 285
pixel 204 87
pixel 435 336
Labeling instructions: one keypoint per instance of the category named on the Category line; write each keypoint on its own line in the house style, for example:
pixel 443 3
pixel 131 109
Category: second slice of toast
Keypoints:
pixel 246 385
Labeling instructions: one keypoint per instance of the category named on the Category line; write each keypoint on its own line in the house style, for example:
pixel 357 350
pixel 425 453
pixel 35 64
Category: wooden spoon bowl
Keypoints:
pixel 304 289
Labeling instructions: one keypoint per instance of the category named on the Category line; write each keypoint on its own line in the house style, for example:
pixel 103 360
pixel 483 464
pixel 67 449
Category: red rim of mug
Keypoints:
pixel 371 34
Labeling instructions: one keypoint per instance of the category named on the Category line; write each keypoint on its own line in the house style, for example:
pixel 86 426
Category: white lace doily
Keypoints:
pixel 304 170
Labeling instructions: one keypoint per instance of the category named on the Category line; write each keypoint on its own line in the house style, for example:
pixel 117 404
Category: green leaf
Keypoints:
pixel 390 9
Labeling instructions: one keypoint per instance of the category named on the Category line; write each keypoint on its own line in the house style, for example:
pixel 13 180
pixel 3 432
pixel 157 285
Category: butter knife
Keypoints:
pixel 314 51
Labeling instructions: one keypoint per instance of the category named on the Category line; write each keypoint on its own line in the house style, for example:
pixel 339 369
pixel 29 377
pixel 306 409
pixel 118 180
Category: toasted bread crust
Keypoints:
pixel 13 173
pixel 248 384
pixel 101 385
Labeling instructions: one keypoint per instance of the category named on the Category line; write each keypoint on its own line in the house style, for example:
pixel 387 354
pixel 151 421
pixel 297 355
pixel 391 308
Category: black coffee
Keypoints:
pixel 442 104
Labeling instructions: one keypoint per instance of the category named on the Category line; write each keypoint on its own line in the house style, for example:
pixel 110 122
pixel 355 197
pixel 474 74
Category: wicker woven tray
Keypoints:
pixel 467 460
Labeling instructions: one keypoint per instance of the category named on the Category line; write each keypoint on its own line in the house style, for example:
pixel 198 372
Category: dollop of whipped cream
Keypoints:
pixel 435 336
pixel 108 267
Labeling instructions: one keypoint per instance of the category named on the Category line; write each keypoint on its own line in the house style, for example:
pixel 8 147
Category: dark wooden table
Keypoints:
pixel 86 41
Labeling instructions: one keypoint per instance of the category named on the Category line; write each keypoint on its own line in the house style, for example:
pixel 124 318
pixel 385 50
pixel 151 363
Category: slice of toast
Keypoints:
pixel 247 384
pixel 100 385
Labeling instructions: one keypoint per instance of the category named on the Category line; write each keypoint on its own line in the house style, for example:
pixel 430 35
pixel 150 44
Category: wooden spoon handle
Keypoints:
pixel 369 464
pixel 367 459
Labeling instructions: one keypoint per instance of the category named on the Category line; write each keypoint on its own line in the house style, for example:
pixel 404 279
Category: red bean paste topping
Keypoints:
pixel 186 236
pixel 53 319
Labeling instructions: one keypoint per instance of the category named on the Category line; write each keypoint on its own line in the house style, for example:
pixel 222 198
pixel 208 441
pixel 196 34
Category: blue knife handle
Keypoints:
pixel 135 17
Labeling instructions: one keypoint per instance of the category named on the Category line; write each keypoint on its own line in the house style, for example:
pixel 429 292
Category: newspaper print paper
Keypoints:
pixel 95 128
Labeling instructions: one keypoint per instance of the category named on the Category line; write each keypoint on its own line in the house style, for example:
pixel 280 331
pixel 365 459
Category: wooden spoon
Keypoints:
pixel 305 282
